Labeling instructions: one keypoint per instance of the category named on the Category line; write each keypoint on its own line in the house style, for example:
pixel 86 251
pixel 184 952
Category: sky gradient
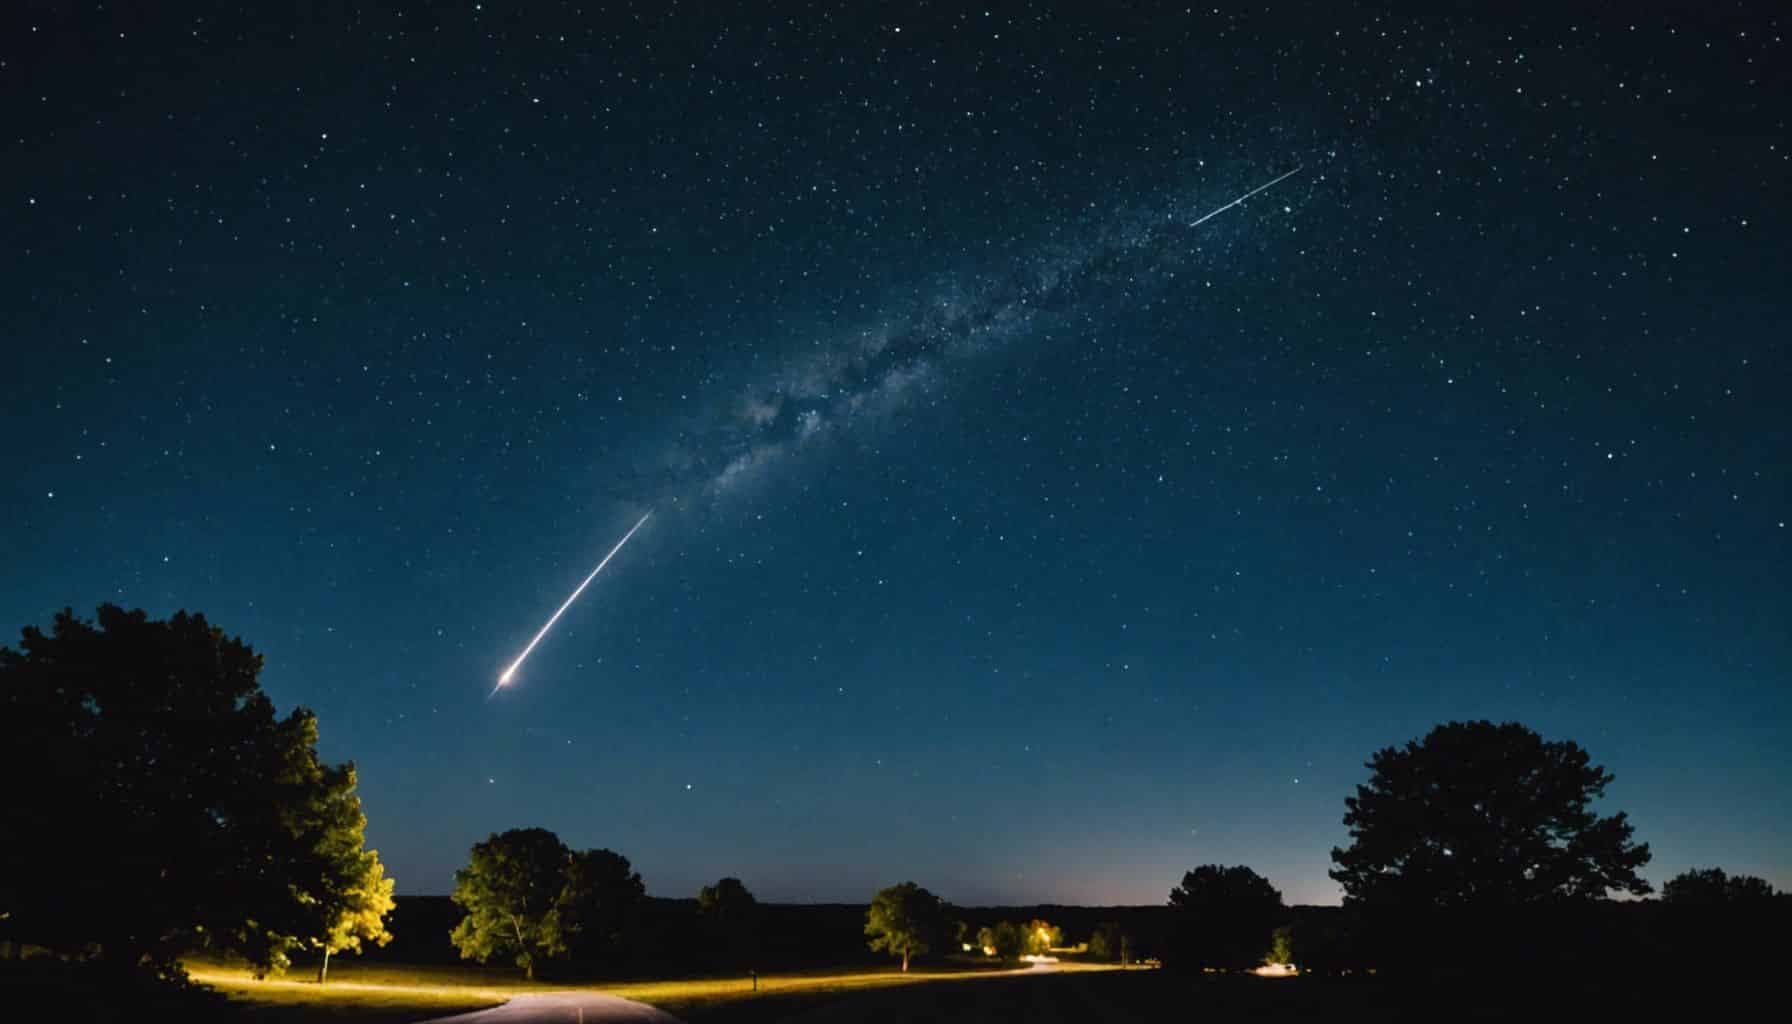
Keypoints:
pixel 1009 534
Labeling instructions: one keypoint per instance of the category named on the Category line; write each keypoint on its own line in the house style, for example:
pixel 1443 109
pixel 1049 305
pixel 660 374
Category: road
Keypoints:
pixel 564 1008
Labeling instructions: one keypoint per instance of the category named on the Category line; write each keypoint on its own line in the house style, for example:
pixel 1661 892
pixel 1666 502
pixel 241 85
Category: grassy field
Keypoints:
pixel 388 993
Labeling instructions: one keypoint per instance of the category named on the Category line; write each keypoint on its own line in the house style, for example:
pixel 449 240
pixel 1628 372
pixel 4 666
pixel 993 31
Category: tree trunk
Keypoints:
pixel 529 969
pixel 905 961
pixel 323 969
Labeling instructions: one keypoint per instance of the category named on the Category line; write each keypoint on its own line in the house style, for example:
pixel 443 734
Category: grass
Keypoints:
pixel 391 993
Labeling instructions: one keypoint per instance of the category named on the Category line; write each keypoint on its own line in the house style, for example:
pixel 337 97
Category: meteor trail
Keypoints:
pixel 1204 218
pixel 504 679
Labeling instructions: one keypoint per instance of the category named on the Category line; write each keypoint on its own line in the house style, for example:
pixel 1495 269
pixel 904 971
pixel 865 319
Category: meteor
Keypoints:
pixel 1209 216
pixel 504 679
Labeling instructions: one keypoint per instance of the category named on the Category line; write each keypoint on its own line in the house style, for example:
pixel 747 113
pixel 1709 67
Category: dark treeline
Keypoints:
pixel 171 812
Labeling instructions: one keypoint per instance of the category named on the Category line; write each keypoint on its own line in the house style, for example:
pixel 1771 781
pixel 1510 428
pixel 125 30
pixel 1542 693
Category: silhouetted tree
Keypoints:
pixel 362 917
pixel 600 904
pixel 1709 914
pixel 1477 813
pixel 1325 942
pixel 1108 941
pixel 1224 918
pixel 904 920
pixel 729 916
pixel 1713 887
pixel 158 803
pixel 511 890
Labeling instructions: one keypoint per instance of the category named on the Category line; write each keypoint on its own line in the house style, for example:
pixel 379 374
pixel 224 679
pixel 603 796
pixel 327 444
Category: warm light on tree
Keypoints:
pixel 363 915
pixel 902 920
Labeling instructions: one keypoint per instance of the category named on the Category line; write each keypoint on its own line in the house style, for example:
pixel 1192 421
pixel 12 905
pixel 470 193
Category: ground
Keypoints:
pixel 391 993
pixel 1082 994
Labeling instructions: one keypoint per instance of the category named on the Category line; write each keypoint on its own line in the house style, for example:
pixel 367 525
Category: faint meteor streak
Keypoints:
pixel 504 679
pixel 1204 218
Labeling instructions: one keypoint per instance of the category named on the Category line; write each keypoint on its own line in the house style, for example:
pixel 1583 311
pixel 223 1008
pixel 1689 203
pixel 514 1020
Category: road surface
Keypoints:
pixel 564 1008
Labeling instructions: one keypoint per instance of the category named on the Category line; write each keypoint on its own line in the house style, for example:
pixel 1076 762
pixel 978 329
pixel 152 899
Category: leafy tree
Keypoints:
pixel 1041 937
pixel 1713 887
pixel 728 899
pixel 903 920
pixel 512 891
pixel 168 805
pixel 1007 939
pixel 1224 917
pixel 1108 941
pixel 600 903
pixel 730 915
pixel 986 940
pixel 1281 946
pixel 362 917
pixel 1478 814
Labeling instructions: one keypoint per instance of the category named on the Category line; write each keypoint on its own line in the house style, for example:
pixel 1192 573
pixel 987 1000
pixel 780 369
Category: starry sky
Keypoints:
pixel 1009 533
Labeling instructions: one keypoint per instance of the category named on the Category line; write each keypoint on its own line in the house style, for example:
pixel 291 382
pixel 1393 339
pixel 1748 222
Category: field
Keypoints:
pixel 1070 994
pixel 391 993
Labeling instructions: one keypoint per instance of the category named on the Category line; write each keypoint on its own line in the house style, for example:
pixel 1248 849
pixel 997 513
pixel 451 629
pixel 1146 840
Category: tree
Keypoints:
pixel 1009 940
pixel 1478 814
pixel 730 915
pixel 362 917
pixel 168 806
pixel 1281 946
pixel 511 890
pixel 599 904
pixel 1042 937
pixel 1713 887
pixel 1224 916
pixel 1108 941
pixel 903 921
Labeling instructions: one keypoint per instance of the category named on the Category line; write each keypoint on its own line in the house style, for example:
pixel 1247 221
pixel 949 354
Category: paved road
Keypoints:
pixel 564 1008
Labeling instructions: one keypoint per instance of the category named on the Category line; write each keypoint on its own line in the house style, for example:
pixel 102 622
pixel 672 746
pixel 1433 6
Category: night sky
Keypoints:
pixel 1009 534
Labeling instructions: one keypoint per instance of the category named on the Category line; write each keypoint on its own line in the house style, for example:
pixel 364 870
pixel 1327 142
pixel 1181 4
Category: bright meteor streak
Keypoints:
pixel 1204 218
pixel 504 679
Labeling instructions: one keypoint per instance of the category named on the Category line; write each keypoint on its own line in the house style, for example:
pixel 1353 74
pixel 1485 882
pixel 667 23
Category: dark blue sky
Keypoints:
pixel 1010 534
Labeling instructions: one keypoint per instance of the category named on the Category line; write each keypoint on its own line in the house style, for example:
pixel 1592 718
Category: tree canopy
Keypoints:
pixel 1108 941
pixel 728 898
pixel 529 897
pixel 730 917
pixel 1224 918
pixel 600 901
pixel 168 806
pixel 362 917
pixel 1714 887
pixel 1042 937
pixel 1004 940
pixel 511 890
pixel 1478 814
pixel 903 920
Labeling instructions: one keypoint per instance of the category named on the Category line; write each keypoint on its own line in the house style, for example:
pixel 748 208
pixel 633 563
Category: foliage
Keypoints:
pixel 728 898
pixel 903 921
pixel 1006 939
pixel 1281 946
pixel 1478 814
pixel 511 890
pixel 1042 936
pixel 599 904
pixel 1323 942
pixel 362 917
pixel 529 897
pixel 1224 917
pixel 168 805
pixel 1108 941
pixel 1713 887
pixel 730 917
